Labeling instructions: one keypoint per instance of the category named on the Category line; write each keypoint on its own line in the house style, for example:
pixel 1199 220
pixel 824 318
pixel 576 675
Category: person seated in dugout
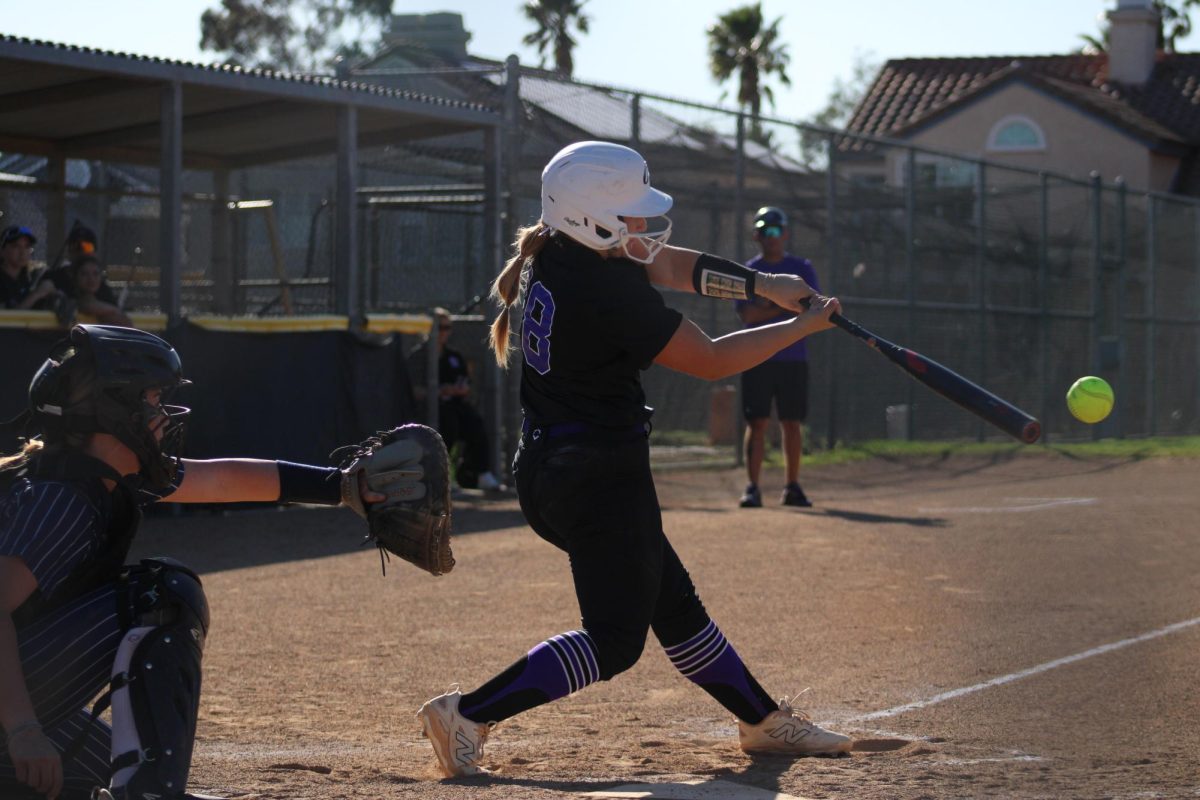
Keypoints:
pixel 458 420
pixel 82 244
pixel 87 282
pixel 18 289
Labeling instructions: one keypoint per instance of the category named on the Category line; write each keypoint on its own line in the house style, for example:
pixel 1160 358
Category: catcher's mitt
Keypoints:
pixel 410 465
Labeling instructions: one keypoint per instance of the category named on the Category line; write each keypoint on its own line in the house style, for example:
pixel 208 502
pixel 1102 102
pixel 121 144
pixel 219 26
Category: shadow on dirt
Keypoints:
pixel 211 539
pixel 884 519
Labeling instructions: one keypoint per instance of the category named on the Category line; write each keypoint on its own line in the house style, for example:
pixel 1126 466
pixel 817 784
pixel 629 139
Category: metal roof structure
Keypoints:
pixel 79 102
pixel 63 101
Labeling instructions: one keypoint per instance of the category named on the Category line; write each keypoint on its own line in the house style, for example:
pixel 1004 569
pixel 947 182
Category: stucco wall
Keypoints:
pixel 1076 143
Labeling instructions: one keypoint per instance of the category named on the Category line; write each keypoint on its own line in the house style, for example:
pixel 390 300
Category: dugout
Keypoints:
pixel 294 388
pixel 329 379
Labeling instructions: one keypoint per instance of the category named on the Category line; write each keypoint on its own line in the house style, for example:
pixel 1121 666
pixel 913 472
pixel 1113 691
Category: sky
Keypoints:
pixel 658 46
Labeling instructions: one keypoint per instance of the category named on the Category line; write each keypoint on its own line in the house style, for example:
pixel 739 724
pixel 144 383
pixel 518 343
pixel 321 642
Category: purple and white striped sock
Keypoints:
pixel 709 660
pixel 557 667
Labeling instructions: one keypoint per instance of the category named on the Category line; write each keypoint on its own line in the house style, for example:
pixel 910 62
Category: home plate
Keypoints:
pixel 691 790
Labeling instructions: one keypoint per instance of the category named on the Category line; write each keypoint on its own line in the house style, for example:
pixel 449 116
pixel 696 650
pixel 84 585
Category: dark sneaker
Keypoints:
pixel 751 498
pixel 793 495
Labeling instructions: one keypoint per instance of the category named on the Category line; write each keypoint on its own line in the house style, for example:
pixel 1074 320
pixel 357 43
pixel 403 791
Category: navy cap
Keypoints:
pixel 81 233
pixel 770 221
pixel 14 232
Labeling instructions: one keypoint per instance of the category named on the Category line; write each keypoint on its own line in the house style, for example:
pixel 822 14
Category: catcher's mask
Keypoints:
pixel 590 188
pixel 97 380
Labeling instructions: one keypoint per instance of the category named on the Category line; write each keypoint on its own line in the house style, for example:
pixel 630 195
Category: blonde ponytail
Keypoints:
pixel 507 287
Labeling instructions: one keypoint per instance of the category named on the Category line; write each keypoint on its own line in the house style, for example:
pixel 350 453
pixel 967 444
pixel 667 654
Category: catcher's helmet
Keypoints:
pixel 95 381
pixel 589 186
pixel 770 217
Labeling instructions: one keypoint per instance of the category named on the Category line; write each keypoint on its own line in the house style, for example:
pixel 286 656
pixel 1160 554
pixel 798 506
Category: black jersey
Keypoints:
pixel 452 367
pixel 590 326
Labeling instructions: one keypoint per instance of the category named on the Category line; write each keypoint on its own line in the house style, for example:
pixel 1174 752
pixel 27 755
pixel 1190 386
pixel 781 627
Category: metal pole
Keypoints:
pixel 1097 188
pixel 56 214
pixel 981 278
pixel 224 296
pixel 1119 308
pixel 831 234
pixel 635 122
pixel 493 255
pixel 1043 303
pixel 432 379
pixel 910 265
pixel 508 403
pixel 739 189
pixel 739 215
pixel 1151 310
pixel 1196 311
pixel 170 204
pixel 345 258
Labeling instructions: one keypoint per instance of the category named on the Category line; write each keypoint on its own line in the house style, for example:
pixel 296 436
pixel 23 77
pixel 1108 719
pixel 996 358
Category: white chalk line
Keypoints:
pixel 1027 504
pixel 1016 676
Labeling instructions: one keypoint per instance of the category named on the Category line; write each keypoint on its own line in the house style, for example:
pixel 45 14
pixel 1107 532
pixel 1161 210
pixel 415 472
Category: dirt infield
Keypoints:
pixel 984 628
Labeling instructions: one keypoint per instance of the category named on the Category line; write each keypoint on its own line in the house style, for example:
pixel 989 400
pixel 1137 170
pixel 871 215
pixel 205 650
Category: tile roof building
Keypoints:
pixel 1133 112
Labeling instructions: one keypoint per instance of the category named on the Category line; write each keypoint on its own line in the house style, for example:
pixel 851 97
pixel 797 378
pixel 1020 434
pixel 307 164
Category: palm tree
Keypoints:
pixel 740 42
pixel 554 19
pixel 1175 23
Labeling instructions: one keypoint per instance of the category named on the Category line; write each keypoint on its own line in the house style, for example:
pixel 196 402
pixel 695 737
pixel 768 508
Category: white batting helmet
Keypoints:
pixel 589 186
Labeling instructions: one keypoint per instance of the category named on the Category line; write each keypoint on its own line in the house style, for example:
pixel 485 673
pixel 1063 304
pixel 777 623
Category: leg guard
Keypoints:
pixel 156 680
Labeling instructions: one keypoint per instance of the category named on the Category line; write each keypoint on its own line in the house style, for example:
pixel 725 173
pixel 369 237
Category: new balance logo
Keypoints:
pixel 465 752
pixel 790 733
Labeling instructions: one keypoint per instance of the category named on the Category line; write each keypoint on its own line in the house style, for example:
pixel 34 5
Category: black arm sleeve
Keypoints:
pixel 714 276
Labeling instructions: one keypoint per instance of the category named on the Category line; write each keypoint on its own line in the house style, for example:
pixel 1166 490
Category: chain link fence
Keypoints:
pixel 1021 281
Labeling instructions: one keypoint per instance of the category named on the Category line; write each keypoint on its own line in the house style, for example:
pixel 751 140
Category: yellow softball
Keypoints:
pixel 1090 399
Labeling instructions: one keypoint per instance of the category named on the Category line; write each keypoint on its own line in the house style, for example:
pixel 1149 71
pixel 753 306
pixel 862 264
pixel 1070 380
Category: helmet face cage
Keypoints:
pixel 96 382
pixel 589 188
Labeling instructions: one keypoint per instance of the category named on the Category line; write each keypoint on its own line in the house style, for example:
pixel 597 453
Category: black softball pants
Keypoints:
pixel 596 501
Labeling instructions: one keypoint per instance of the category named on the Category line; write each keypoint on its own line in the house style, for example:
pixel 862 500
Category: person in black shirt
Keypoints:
pixel 592 320
pixel 458 420
pixel 18 289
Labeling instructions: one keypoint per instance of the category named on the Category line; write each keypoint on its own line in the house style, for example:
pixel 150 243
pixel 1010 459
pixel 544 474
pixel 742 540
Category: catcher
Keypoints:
pixel 76 621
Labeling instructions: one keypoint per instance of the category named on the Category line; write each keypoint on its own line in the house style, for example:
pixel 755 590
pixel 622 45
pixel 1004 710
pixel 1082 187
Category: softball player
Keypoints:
pixel 74 620
pixel 592 320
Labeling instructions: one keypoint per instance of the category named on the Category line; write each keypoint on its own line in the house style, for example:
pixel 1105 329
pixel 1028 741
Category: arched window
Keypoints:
pixel 1016 134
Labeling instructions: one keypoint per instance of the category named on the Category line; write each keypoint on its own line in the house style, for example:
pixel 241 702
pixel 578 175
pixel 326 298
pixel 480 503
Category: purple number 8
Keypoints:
pixel 535 327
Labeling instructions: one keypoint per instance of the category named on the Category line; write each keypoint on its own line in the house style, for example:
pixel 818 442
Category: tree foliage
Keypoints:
pixel 554 20
pixel 1176 23
pixel 839 107
pixel 742 45
pixel 293 35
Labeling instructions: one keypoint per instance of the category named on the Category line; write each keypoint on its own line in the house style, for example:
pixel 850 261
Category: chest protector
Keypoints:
pixel 120 515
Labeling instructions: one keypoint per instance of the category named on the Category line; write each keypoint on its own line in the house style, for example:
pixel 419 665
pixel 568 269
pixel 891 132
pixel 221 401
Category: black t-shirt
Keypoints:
pixel 452 367
pixel 13 290
pixel 61 278
pixel 590 326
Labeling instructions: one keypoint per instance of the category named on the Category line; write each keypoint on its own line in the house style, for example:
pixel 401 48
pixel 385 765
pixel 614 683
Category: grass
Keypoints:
pixel 1156 447
pixel 1185 446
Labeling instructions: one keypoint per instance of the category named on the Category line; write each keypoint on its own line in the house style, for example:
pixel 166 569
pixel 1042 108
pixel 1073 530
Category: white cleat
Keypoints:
pixel 790 732
pixel 457 741
pixel 489 483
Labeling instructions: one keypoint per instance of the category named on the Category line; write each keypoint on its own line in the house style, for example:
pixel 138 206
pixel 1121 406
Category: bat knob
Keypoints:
pixel 1031 432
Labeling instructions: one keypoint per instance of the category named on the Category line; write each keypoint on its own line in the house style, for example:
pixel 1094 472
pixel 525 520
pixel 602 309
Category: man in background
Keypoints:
pixel 18 288
pixel 782 378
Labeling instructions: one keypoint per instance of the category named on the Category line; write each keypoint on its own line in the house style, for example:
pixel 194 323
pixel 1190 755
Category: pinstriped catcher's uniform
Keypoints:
pixel 68 632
